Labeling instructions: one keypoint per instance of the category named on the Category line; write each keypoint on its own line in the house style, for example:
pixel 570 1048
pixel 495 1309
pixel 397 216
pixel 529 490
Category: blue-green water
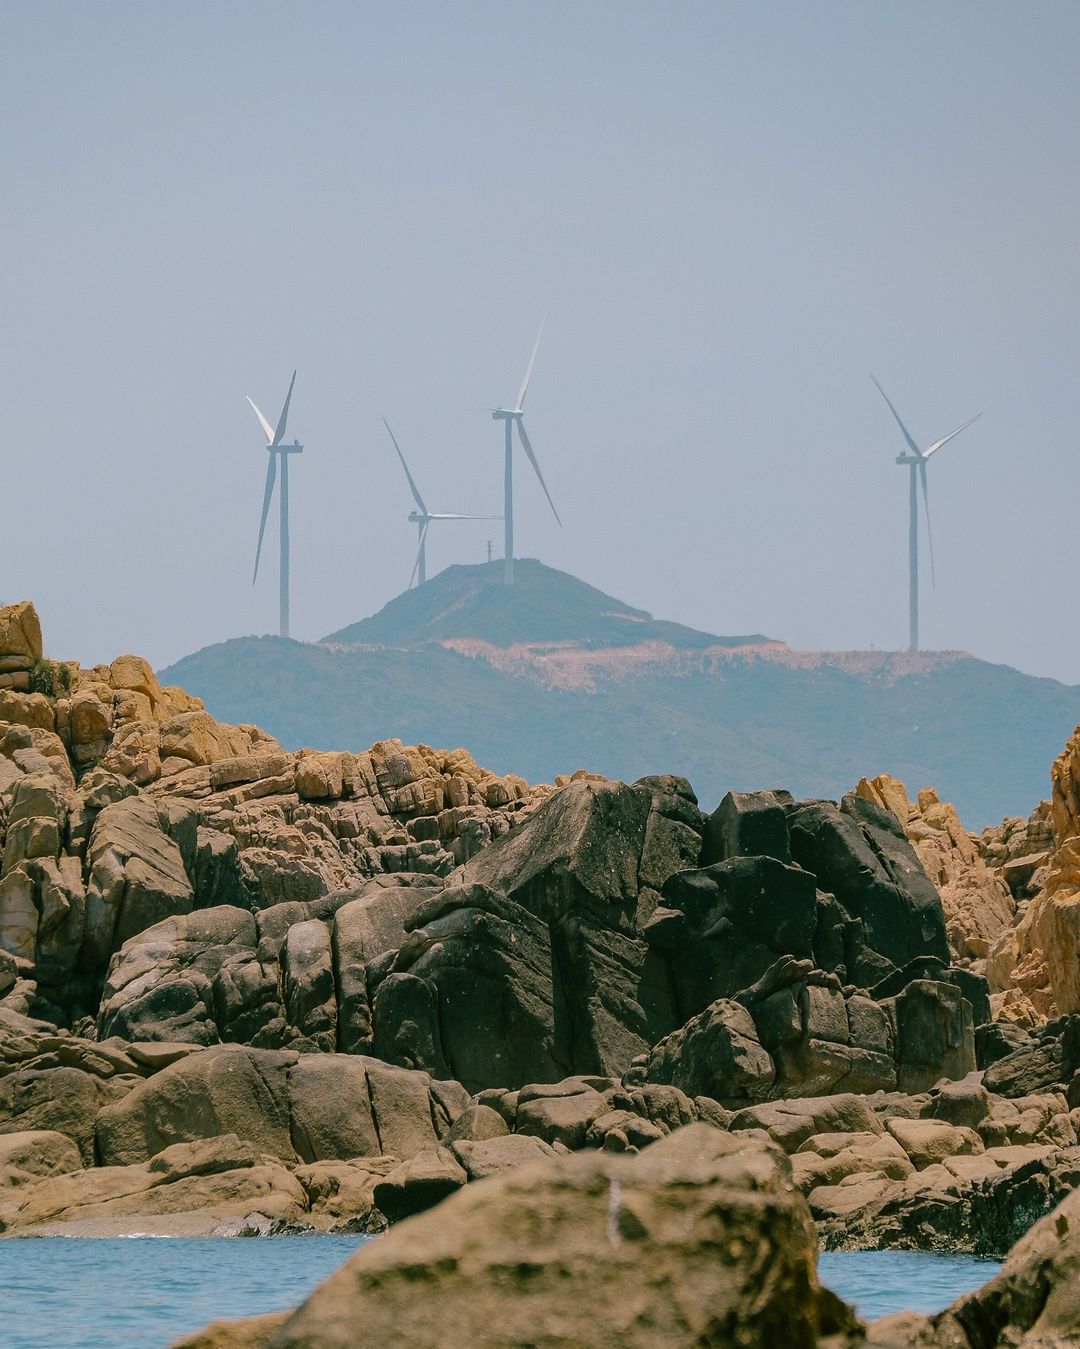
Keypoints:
pixel 141 1293
pixel 62 1293
pixel 878 1282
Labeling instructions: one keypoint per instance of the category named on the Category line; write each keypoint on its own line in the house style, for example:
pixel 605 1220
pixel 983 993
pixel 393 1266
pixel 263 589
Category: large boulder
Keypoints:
pixel 725 924
pixel 859 854
pixel 227 1089
pixel 615 1252
pixel 195 978
pixel 136 877
pixel 717 1054
pixel 20 632
pixel 58 1099
pixel 535 950
pixel 188 1189
pixel 314 1107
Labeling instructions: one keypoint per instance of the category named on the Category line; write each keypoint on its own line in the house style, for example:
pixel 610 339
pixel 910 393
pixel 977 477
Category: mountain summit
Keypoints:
pixel 542 606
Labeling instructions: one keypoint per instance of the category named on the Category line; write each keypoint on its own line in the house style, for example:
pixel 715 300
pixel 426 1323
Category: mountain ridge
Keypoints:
pixel 546 683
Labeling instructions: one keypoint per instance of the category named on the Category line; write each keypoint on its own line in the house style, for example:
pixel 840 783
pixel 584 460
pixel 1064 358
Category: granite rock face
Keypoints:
pixel 392 974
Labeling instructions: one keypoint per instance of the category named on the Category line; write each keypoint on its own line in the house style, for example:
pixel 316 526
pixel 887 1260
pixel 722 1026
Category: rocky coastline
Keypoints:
pixel 551 1037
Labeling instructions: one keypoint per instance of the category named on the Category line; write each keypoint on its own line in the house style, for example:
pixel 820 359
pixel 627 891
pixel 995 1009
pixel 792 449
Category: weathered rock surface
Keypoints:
pixel 188 1188
pixel 615 1251
pixel 311 1107
pixel 1030 1304
pixel 977 902
pixel 393 974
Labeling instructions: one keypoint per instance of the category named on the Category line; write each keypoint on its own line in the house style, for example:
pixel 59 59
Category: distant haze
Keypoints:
pixel 730 215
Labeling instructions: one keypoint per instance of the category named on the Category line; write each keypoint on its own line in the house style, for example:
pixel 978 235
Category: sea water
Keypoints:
pixel 878 1282
pixel 116 1293
pixel 143 1292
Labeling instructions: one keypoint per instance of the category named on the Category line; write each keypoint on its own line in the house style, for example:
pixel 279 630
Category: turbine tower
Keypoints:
pixel 277 451
pixel 511 417
pixel 422 517
pixel 916 462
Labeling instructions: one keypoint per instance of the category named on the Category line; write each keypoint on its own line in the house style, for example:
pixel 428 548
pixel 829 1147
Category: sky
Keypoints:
pixel 730 215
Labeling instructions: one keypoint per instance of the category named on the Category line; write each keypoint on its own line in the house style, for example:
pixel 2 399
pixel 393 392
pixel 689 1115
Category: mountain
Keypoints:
pixel 553 675
pixel 543 606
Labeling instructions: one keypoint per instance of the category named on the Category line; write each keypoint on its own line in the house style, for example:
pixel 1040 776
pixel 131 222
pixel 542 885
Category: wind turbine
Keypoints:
pixel 916 462
pixel 422 517
pixel 277 451
pixel 511 417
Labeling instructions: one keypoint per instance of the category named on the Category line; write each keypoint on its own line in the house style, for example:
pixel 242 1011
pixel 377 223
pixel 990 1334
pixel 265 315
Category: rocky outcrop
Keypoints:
pixel 978 903
pixel 1036 962
pixel 1031 1303
pixel 313 1107
pixel 616 1251
pixel 799 1032
pixel 392 974
pixel 124 804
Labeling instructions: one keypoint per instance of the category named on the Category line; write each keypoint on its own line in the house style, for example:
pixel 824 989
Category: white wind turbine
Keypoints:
pixel 277 450
pixel 511 417
pixel 422 517
pixel 916 462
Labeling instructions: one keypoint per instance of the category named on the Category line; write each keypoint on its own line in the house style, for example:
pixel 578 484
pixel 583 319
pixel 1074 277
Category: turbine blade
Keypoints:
pixel 416 564
pixel 284 413
pixel 444 515
pixel 520 403
pixel 268 492
pixel 929 531
pixel 412 485
pixel 907 434
pixel 945 439
pixel 262 421
pixel 536 467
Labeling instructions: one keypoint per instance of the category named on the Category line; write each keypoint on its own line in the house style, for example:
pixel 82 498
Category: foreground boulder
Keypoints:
pixel 698 1240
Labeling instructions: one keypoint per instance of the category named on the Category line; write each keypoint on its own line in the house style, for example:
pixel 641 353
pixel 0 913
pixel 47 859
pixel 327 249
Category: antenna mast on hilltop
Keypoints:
pixel 277 450
pixel 916 462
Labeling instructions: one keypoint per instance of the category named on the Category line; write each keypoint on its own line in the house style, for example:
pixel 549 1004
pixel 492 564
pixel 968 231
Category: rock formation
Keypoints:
pixel 247 990
pixel 698 1240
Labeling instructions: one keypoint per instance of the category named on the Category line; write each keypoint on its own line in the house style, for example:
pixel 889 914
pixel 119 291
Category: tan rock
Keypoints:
pixel 134 753
pixel 930 1141
pixel 27 1157
pixel 134 673
pixel 20 631
pixel 978 904
pixel 613 1251
pixel 214 1178
pixel 27 709
pixel 321 777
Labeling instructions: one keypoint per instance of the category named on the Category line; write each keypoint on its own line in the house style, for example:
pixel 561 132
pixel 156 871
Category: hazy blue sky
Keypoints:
pixel 730 213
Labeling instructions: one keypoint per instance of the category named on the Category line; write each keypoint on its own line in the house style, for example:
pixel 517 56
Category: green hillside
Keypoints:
pixel 983 735
pixel 543 605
